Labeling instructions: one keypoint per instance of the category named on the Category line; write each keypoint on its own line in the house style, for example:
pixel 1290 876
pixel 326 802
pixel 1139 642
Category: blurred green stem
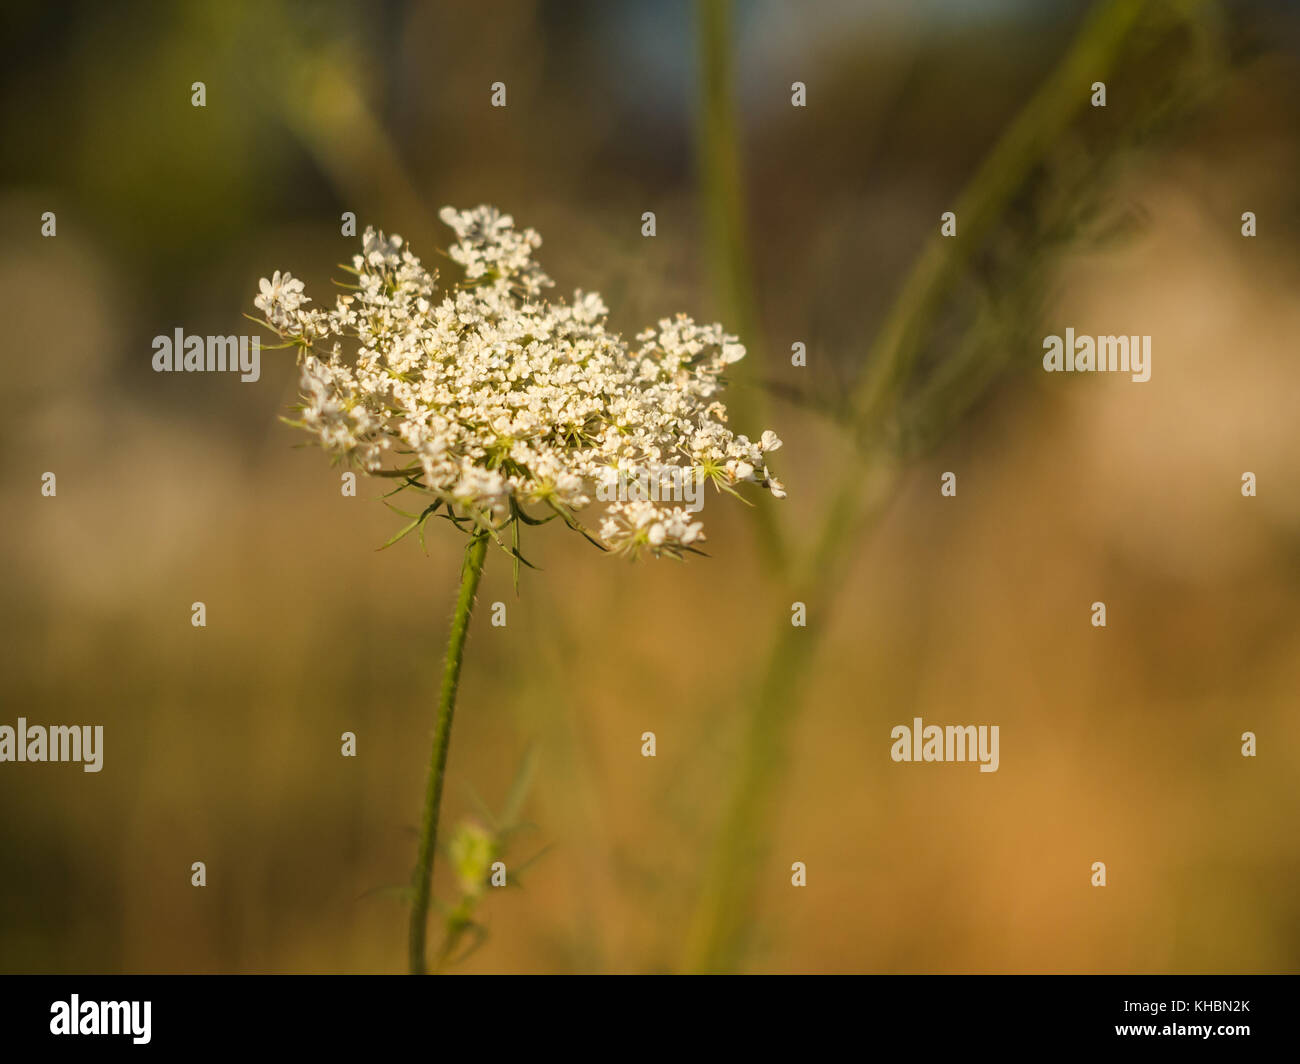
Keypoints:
pixel 422 878
pixel 723 916
pixel 986 196
pixel 722 194
pixel 724 910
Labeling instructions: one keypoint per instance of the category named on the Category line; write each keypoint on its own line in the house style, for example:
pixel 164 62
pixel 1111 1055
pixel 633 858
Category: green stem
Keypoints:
pixel 1002 174
pixel 422 878
pixel 722 195
pixel 725 908
pixel 723 917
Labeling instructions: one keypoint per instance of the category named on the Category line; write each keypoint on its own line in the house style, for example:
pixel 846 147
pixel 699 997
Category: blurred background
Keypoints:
pixel 222 744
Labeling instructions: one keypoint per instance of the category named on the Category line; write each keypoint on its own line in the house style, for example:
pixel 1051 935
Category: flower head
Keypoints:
pixel 503 405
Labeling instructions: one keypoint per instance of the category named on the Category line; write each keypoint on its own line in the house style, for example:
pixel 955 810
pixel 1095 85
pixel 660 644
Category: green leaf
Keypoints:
pixel 526 519
pixel 574 524
pixel 417 522
pixel 484 809
pixel 401 535
pixel 514 877
pixel 519 787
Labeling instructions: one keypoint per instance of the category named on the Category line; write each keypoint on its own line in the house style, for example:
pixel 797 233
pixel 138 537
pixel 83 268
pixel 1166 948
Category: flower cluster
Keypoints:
pixel 498 402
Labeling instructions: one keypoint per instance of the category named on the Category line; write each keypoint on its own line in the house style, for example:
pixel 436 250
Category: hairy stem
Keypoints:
pixel 422 878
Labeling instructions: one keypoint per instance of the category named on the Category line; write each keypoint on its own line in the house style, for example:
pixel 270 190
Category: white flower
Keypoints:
pixel 280 298
pixel 494 401
pixel 379 251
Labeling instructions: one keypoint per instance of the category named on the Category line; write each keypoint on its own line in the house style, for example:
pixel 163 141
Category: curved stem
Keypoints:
pixel 724 910
pixel 422 878
pixel 1021 147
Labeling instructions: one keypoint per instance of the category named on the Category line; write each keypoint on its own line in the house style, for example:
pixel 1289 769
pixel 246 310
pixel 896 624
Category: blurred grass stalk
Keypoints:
pixel 717 937
pixel 722 197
